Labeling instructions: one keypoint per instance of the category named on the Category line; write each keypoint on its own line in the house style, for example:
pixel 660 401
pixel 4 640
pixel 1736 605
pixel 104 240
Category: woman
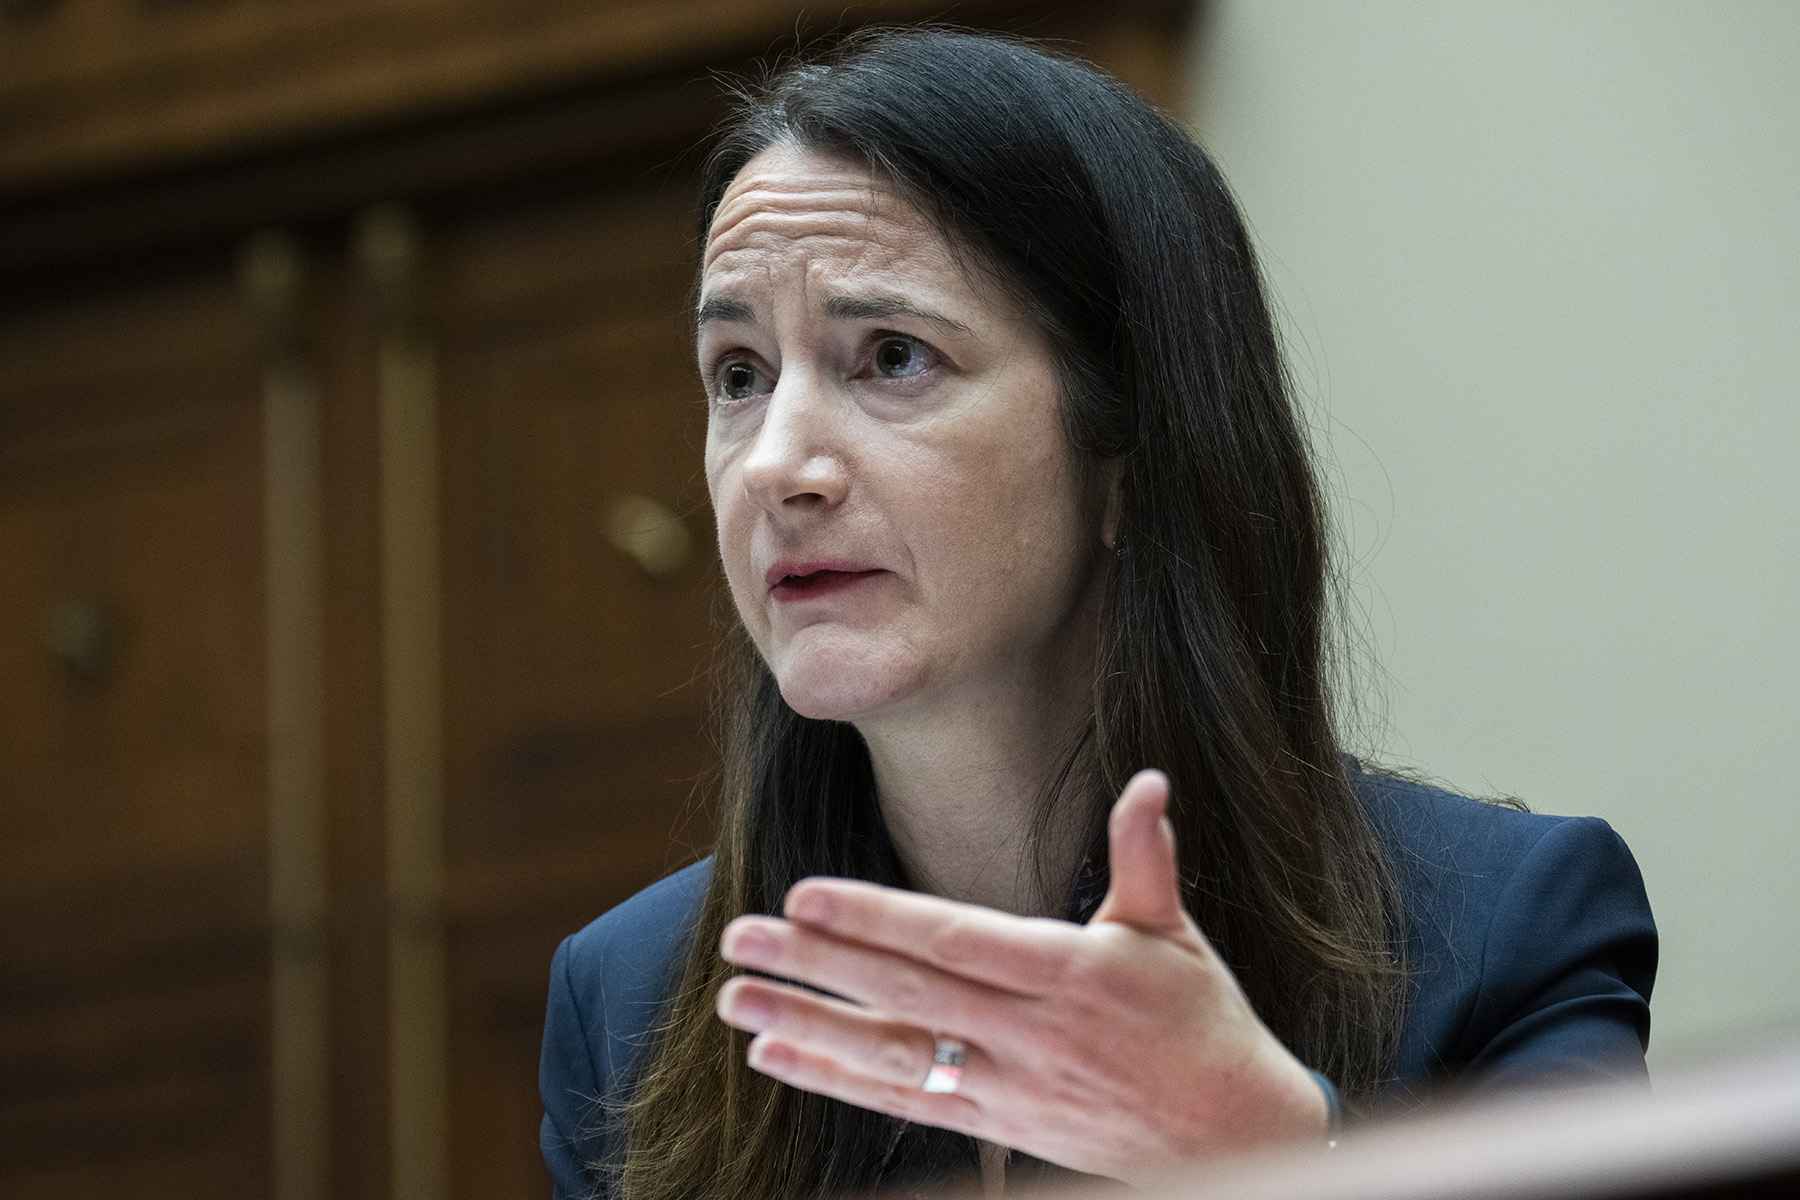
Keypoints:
pixel 1012 504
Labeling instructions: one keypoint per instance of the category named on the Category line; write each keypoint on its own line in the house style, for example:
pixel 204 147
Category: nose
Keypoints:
pixel 795 463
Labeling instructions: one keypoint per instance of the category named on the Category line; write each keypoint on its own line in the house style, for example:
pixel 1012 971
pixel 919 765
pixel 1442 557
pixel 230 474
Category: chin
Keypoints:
pixel 842 687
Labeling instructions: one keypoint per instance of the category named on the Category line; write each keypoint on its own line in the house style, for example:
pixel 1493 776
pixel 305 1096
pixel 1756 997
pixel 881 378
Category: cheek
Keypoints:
pixel 1015 531
pixel 732 518
pixel 1029 493
pixel 725 489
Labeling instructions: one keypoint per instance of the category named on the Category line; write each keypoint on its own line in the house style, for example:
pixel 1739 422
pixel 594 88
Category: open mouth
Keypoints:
pixel 810 584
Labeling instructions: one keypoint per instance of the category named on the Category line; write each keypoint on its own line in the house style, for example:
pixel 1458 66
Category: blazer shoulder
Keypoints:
pixel 1530 945
pixel 619 970
pixel 608 986
pixel 1458 861
pixel 635 940
pixel 1423 826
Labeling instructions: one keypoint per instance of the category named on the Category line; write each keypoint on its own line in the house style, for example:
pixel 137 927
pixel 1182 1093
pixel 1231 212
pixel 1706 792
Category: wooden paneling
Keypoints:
pixel 344 350
pixel 132 837
pixel 98 201
pixel 575 678
pixel 97 87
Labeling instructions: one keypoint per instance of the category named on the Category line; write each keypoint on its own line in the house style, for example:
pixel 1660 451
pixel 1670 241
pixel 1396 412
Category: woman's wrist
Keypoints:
pixel 1282 1101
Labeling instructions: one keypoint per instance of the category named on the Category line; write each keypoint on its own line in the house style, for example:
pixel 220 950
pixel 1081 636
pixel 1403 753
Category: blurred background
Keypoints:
pixel 355 570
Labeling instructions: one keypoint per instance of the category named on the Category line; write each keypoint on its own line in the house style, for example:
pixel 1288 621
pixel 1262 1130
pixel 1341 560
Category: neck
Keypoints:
pixel 962 788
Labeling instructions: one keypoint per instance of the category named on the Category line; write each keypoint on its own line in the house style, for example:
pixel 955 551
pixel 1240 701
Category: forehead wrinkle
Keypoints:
pixel 826 258
pixel 806 194
pixel 782 184
pixel 770 197
pixel 762 225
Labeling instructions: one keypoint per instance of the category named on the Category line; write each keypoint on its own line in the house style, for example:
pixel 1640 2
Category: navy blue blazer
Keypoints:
pixel 1531 953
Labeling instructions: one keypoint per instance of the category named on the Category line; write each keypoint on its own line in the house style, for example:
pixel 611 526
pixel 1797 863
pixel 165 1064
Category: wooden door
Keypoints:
pixel 133 910
pixel 578 593
pixel 141 947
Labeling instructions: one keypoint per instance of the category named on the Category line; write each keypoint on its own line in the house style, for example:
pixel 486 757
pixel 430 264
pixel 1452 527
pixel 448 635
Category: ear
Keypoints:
pixel 1112 479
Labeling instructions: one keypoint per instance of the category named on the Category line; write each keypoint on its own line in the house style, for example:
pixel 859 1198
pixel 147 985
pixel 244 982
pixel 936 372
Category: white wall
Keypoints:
pixel 1541 271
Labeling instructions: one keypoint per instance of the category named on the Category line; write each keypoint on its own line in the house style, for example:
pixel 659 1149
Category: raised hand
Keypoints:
pixel 1123 1047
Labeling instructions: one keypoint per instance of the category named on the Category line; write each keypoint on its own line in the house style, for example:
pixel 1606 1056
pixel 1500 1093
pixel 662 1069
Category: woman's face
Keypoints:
pixel 901 521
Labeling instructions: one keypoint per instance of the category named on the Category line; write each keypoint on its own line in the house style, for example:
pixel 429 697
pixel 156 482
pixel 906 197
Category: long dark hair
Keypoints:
pixel 1120 238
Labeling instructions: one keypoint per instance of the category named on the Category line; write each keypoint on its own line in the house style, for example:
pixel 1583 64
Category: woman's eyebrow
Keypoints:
pixel 871 308
pixel 840 308
pixel 724 308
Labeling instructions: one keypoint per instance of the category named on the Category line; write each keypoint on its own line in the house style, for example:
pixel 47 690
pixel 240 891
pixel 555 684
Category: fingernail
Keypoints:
pixel 772 1058
pixel 815 906
pixel 744 1009
pixel 748 945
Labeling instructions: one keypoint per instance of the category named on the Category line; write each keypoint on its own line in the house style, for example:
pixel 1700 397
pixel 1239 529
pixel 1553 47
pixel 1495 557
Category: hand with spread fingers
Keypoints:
pixel 1122 1048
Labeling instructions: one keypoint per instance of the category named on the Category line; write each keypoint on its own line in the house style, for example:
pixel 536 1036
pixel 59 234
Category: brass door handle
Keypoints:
pixel 651 534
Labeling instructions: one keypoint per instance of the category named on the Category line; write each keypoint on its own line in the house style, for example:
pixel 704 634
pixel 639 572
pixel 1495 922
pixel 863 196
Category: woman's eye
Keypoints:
pixel 738 381
pixel 900 358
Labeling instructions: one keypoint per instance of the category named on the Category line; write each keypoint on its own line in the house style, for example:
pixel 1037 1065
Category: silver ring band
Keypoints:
pixel 946 1071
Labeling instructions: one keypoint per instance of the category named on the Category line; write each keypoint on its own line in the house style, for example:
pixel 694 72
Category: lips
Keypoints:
pixel 809 580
